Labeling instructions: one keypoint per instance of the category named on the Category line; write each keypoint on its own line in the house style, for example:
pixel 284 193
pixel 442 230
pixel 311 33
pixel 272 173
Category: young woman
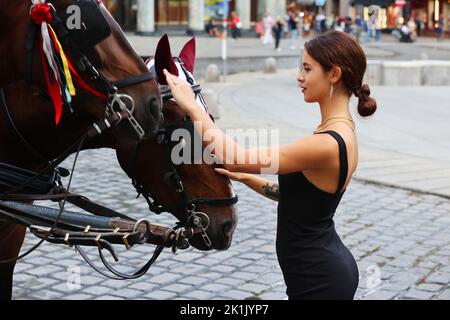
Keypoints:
pixel 313 172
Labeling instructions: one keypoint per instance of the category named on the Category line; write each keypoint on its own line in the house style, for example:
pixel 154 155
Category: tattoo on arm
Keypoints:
pixel 272 190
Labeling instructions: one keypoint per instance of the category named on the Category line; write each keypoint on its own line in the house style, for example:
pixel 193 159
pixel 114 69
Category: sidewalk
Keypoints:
pixel 403 145
pixel 211 48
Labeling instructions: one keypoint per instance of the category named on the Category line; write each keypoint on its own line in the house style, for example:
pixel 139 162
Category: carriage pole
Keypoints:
pixel 224 38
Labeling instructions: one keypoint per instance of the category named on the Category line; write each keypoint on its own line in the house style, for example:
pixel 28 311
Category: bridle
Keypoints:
pixel 115 102
pixel 194 221
pixel 118 107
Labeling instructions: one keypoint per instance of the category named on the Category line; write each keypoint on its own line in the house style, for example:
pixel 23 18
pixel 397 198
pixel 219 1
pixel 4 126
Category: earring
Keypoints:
pixel 331 91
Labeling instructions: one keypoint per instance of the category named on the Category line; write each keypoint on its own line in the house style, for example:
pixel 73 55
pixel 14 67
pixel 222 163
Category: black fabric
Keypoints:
pixel 315 262
pixel 94 27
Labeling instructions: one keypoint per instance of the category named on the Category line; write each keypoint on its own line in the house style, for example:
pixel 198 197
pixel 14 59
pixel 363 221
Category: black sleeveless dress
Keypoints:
pixel 314 261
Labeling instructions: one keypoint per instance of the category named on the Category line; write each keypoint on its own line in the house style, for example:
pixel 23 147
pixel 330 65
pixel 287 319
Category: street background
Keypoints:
pixel 394 216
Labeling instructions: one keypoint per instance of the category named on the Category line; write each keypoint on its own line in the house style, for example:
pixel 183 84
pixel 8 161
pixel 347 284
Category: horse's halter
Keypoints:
pixel 194 221
pixel 115 103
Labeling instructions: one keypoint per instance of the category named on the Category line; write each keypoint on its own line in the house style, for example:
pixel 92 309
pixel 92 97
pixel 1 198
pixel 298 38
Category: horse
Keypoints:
pixel 211 193
pixel 112 79
pixel 106 69
pixel 200 185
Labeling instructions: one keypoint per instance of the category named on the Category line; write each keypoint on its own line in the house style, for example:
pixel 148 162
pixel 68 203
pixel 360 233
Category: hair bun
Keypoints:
pixel 363 91
pixel 366 105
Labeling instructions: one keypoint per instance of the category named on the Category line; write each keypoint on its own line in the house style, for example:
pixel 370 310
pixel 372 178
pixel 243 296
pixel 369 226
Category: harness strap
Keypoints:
pixel 133 80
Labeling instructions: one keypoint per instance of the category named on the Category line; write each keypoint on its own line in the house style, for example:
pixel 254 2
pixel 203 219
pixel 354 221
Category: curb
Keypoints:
pixel 395 186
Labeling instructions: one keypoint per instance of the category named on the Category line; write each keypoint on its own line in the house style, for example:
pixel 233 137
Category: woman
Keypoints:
pixel 313 172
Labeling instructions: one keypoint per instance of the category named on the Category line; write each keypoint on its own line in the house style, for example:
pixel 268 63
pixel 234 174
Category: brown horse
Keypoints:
pixel 104 63
pixel 104 60
pixel 213 193
pixel 149 169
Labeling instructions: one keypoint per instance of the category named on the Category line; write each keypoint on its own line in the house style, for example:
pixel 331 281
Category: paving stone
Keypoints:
pixel 439 277
pixel 230 281
pixel 143 286
pixel 193 280
pixel 108 297
pixel 418 295
pixel 43 270
pixel 127 293
pixel 98 290
pixel 198 295
pixel 236 294
pixel 215 287
pixel 381 295
pixel 165 278
pixel 46 295
pixel 79 296
pixel 445 295
pixel 177 287
pixel 160 295
pixel 429 287
pixel 252 287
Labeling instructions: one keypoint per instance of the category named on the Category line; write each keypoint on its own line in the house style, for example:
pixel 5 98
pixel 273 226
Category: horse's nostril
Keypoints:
pixel 227 227
pixel 155 108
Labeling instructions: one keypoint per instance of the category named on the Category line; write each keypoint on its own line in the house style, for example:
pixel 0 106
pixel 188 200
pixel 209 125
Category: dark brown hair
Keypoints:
pixel 336 48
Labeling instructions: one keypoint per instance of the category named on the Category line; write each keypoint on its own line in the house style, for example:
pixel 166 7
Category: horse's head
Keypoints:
pixel 105 69
pixel 171 169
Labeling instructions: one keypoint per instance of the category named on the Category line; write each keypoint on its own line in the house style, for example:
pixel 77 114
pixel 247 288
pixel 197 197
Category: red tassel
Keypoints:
pixel 52 87
pixel 41 12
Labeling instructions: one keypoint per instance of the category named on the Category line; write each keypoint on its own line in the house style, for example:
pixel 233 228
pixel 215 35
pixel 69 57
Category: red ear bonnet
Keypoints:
pixel 164 60
pixel 187 55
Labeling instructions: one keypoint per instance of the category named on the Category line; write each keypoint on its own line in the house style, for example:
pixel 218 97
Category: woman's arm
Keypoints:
pixel 316 151
pixel 267 188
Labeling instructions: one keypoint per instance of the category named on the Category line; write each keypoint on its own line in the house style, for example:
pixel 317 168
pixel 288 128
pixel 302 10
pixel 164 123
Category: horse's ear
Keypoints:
pixel 187 55
pixel 164 60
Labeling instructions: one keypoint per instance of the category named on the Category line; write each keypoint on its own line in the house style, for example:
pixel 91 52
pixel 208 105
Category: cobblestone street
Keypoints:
pixel 399 239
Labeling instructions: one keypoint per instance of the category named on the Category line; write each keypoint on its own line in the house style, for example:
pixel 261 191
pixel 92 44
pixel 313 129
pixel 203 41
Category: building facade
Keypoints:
pixel 431 15
pixel 148 16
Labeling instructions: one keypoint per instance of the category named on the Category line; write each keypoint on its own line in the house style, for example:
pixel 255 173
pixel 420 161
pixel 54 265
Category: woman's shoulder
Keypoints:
pixel 341 130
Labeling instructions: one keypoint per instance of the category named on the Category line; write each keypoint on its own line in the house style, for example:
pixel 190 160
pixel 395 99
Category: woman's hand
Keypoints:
pixel 236 176
pixel 182 92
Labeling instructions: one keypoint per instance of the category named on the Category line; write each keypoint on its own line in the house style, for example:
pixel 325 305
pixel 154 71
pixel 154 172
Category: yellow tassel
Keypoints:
pixel 65 65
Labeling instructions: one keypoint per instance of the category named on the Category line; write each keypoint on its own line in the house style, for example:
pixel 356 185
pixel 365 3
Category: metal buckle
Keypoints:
pixel 142 221
pixel 66 239
pixel 125 241
pixel 195 219
pixel 97 238
pixel 118 99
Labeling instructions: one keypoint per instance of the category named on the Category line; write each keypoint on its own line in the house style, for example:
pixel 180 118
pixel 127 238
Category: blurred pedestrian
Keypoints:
pixel 267 24
pixel 412 27
pixel 235 25
pixel 211 29
pixel 359 26
pixel 293 29
pixel 278 32
pixel 439 26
